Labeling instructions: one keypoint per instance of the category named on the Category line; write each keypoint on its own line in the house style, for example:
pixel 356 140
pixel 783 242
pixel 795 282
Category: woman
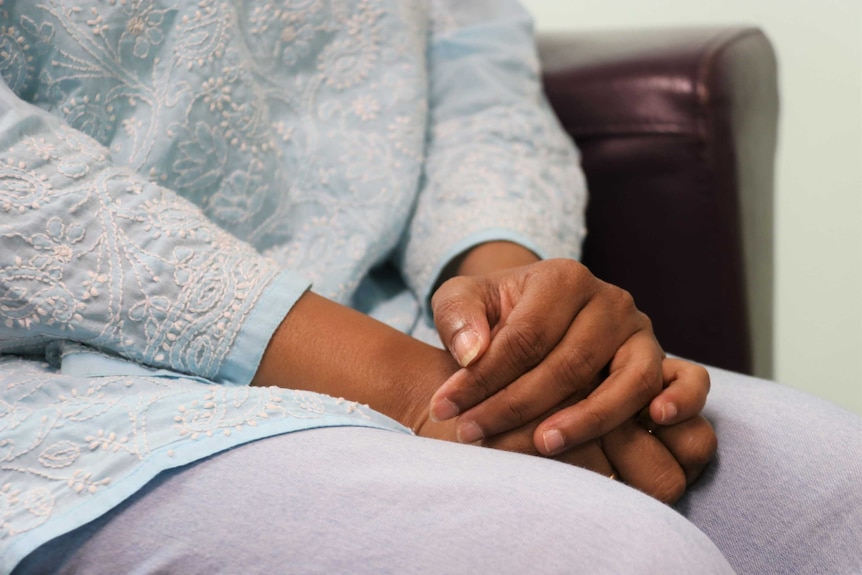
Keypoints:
pixel 174 178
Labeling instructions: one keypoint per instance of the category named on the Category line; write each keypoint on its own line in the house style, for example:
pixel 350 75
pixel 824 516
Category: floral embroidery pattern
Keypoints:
pixel 131 419
pixel 166 166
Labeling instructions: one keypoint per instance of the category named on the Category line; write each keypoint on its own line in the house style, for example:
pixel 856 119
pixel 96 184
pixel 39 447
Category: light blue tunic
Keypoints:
pixel 175 174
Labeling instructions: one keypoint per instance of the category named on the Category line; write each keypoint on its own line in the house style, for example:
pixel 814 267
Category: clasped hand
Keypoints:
pixel 556 362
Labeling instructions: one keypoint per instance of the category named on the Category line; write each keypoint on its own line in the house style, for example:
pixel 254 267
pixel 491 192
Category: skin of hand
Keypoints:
pixel 685 435
pixel 531 337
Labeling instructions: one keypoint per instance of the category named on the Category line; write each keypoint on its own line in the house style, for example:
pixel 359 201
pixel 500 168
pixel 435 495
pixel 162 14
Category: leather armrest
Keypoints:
pixel 677 132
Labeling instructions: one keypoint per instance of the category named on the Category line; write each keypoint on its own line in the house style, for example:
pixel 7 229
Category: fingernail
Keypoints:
pixel 553 441
pixel 668 412
pixel 469 432
pixel 443 409
pixel 466 347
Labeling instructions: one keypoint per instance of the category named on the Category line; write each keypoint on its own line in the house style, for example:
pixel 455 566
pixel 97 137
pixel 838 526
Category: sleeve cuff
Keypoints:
pixel 274 303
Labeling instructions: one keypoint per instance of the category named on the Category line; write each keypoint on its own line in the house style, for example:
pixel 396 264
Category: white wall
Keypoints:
pixel 818 259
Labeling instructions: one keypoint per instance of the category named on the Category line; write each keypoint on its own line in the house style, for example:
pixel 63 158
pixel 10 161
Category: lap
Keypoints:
pixel 782 496
pixel 362 500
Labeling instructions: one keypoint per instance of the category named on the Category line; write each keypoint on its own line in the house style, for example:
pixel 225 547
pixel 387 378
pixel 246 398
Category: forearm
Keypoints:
pixel 487 258
pixel 325 347
pixel 493 256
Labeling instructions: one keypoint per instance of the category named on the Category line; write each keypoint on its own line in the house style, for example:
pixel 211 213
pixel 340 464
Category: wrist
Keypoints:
pixel 420 378
pixel 493 256
pixel 325 347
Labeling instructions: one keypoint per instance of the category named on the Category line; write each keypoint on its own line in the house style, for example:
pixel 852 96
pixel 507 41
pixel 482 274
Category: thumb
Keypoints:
pixel 461 317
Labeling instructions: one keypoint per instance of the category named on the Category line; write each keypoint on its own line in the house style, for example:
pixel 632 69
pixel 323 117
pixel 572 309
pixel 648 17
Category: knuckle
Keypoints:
pixel 515 412
pixel 626 299
pixel 624 302
pixel 596 420
pixel 646 382
pixel 702 445
pixel 451 293
pixel 445 305
pixel 574 275
pixel 621 298
pixel 524 345
pixel 669 485
pixel 702 375
pixel 568 268
pixel 577 366
pixel 644 322
pixel 472 387
pixel 481 386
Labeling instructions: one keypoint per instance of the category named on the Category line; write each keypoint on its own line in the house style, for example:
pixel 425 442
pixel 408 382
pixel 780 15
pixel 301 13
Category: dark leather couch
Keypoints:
pixel 677 131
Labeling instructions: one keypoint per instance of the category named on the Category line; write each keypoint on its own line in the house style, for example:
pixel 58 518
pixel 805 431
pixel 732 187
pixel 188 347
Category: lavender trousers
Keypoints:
pixel 783 496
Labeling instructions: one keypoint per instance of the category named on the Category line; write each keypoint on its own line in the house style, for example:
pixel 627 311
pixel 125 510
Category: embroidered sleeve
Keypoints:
pixel 498 164
pixel 94 253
